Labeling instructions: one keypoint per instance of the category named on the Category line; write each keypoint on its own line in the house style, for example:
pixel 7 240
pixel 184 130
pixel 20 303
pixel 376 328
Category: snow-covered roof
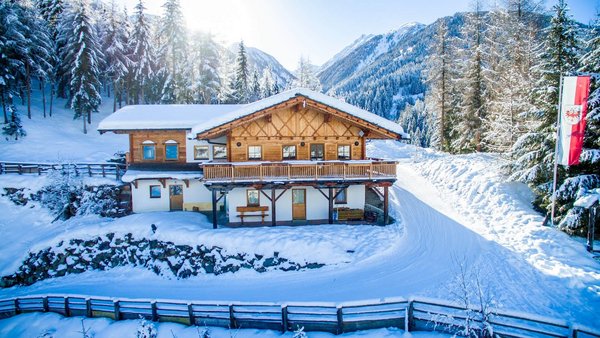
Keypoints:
pixel 132 175
pixel 287 95
pixel 165 116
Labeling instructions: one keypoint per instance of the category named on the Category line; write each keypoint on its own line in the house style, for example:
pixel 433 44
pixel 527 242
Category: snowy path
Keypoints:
pixel 429 245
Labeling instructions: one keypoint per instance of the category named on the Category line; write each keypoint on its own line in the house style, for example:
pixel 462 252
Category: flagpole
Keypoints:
pixel 558 124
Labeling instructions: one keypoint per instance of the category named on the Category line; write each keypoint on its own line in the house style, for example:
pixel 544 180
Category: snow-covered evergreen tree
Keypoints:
pixel 140 57
pixel 472 85
pixel 255 92
pixel 114 46
pixel 207 62
pixel 173 37
pixel 305 75
pixel 83 46
pixel 240 88
pixel 267 82
pixel 13 128
pixel 13 45
pixel 439 81
pixel 416 121
pixel 534 151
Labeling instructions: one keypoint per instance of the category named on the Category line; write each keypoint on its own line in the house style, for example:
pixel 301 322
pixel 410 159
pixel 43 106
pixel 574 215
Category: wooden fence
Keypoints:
pixel 415 314
pixel 89 169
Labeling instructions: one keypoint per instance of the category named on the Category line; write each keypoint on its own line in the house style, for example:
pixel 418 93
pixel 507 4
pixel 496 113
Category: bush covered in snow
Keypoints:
pixel 574 220
pixel 66 195
pixel 161 257
pixel 146 329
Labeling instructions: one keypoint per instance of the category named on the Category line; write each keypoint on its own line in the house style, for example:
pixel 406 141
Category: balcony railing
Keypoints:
pixel 301 170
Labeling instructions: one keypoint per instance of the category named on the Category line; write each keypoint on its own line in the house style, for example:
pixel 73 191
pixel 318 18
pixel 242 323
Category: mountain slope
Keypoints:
pixel 382 73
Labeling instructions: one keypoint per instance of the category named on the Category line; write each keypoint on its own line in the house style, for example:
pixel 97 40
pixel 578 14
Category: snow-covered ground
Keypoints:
pixel 451 210
pixel 53 325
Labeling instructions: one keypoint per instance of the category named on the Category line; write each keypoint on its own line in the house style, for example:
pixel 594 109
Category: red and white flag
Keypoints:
pixel 572 118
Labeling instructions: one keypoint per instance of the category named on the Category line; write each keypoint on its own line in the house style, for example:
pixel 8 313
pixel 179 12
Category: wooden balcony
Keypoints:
pixel 299 171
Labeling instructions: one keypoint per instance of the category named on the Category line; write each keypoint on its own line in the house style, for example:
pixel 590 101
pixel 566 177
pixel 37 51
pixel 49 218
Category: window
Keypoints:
pixel 171 151
pixel 149 151
pixel 316 152
pixel 252 198
pixel 200 152
pixel 155 191
pixel 254 152
pixel 342 196
pixel 344 152
pixel 219 152
pixel 289 152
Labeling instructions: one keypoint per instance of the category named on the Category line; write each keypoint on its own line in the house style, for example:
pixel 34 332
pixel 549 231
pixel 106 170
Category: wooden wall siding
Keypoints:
pixel 292 126
pixel 159 137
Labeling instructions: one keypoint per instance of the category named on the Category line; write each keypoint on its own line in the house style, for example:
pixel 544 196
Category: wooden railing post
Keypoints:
pixel 88 308
pixel 408 317
pixel 45 304
pixel 284 318
pixel 20 169
pixel 191 314
pixel 66 307
pixel 117 310
pixel 89 167
pixel 370 170
pixel 232 324
pixel 154 310
pixel 340 320
pixel 103 171
pixel 17 308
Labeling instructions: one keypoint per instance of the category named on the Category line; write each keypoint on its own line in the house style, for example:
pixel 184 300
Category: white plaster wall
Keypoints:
pixel 197 192
pixel 317 206
pixel 141 197
pixel 189 148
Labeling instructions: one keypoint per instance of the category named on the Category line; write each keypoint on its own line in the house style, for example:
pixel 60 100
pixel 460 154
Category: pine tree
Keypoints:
pixel 140 67
pixel 255 92
pixel 115 52
pixel 534 151
pixel 13 45
pixel 84 75
pixel 206 56
pixel 472 85
pixel 174 53
pixel 267 82
pixel 51 11
pixel 305 76
pixel 13 127
pixel 439 77
pixel 240 86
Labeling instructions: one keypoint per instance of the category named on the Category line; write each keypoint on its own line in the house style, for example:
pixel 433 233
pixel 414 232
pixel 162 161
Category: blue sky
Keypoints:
pixel 318 29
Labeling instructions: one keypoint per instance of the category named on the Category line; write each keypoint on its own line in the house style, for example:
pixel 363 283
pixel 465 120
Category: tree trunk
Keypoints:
pixel 84 124
pixel 28 89
pixel 51 96
pixel 115 96
pixel 89 117
pixel 43 85
pixel 4 106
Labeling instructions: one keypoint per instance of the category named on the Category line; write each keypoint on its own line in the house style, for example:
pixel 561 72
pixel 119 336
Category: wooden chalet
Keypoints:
pixel 298 156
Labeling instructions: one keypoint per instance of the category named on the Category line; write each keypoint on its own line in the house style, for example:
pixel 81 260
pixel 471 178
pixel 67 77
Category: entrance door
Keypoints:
pixel 298 204
pixel 176 197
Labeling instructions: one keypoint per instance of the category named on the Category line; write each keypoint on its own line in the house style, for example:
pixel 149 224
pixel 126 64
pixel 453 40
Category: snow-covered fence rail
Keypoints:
pixel 88 169
pixel 418 314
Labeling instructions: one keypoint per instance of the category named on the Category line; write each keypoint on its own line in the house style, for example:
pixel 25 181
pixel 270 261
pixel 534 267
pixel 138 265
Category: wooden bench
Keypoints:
pixel 347 214
pixel 243 212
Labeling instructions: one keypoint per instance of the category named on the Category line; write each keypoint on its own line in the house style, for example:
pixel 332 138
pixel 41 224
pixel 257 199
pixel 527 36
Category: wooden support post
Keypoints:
pixel 330 199
pixel 89 170
pixel 214 208
pixel 386 216
pixel 154 311
pixel 67 309
pixel 88 308
pixel 284 318
pixel 104 171
pixel 20 169
pixel 45 304
pixel 591 229
pixel 191 314
pixel 408 317
pixel 273 208
pixel 117 310
pixel 17 308
pixel 340 320
pixel 232 324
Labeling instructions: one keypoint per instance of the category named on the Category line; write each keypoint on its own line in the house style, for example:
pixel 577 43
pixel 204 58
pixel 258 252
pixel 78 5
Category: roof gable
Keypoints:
pixel 381 126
